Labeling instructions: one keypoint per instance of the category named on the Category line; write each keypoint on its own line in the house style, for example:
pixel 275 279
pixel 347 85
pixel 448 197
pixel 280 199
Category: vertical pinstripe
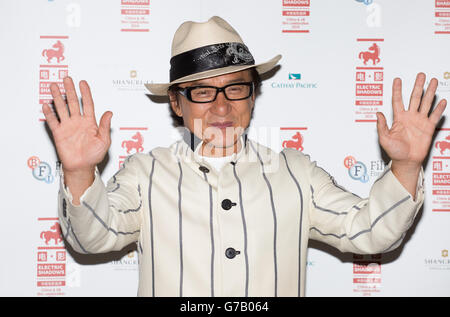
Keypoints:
pixel 300 229
pixel 212 234
pixel 274 222
pixel 245 228
pixel 180 222
pixel 75 237
pixel 151 223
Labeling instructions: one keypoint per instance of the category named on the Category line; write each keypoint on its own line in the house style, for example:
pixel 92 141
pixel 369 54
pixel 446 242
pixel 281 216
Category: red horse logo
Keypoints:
pixel 443 145
pixel 294 144
pixel 137 145
pixel 54 233
pixel 373 54
pixel 58 53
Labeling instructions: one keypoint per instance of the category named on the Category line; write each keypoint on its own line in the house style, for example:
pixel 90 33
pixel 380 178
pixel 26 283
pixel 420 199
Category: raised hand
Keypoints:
pixel 81 143
pixel 408 141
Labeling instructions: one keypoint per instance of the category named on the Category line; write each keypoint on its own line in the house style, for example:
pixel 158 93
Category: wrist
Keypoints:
pixel 78 181
pixel 407 174
pixel 400 167
pixel 79 177
pixel 79 172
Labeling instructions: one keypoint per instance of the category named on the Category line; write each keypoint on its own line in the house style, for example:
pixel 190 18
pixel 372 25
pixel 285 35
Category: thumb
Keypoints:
pixel 104 127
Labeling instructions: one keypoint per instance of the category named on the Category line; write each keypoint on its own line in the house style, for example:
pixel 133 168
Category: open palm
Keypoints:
pixel 81 143
pixel 409 139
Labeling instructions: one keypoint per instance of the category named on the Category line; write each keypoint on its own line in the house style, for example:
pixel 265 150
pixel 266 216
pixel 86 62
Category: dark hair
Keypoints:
pixel 178 121
pixel 257 80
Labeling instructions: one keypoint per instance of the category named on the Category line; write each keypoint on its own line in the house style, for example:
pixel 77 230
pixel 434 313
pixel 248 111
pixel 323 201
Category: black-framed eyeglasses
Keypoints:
pixel 205 94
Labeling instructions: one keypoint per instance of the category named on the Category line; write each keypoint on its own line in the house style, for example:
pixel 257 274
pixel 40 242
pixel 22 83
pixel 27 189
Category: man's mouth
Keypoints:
pixel 222 125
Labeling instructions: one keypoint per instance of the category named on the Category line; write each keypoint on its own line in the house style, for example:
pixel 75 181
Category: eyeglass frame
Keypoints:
pixel 186 91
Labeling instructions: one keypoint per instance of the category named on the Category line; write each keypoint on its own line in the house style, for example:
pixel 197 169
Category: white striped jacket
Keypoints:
pixel 241 232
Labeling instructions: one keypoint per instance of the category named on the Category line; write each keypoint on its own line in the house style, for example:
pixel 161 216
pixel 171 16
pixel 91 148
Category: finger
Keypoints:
pixel 427 99
pixel 50 117
pixel 397 101
pixel 86 97
pixel 60 103
pixel 72 98
pixel 416 94
pixel 382 127
pixel 104 127
pixel 438 111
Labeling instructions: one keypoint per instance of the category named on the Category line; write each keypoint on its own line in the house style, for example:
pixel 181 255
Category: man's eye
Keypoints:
pixel 202 92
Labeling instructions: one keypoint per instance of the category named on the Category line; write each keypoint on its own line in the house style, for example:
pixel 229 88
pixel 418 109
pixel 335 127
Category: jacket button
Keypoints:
pixel 204 169
pixel 227 204
pixel 231 253
pixel 64 206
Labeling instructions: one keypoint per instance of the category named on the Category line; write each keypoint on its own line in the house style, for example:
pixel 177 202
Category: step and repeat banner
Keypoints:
pixel 339 61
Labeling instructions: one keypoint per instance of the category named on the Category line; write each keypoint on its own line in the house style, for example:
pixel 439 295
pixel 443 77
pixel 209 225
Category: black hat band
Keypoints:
pixel 209 57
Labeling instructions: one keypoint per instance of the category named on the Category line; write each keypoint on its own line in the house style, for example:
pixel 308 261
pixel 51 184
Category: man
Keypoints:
pixel 210 215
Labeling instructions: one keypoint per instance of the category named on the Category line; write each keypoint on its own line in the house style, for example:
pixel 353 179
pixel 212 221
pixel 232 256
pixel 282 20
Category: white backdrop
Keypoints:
pixel 322 89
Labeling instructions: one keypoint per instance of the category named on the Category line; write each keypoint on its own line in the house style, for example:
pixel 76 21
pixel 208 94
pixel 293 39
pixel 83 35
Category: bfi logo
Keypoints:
pixel 41 170
pixel 357 170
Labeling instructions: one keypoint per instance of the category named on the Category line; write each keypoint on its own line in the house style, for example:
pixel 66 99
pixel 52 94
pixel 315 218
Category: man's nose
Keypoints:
pixel 221 106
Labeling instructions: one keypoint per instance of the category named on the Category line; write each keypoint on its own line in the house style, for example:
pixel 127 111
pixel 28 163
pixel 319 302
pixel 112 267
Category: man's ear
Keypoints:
pixel 174 104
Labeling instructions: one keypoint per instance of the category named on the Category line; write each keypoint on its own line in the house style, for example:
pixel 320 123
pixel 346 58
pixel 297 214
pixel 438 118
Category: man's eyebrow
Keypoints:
pixel 205 83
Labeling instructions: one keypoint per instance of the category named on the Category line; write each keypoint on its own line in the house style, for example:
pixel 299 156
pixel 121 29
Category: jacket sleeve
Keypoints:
pixel 372 225
pixel 108 217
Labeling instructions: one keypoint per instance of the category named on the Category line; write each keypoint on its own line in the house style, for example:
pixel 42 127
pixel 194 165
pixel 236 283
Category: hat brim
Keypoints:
pixel 162 89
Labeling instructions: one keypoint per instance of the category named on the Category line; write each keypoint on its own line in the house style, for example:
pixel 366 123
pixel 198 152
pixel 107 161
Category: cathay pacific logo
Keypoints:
pixel 294 81
pixel 366 2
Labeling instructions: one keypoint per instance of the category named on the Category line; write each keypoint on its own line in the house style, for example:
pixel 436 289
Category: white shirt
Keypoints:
pixel 216 162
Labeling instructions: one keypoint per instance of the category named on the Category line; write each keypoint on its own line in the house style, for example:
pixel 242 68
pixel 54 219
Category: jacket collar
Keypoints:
pixel 186 150
pixel 193 141
pixel 187 147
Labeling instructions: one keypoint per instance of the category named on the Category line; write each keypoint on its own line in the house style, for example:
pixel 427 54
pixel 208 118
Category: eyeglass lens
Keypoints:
pixel 232 92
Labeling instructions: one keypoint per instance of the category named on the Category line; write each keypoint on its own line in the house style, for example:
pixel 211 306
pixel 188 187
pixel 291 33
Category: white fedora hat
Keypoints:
pixel 208 49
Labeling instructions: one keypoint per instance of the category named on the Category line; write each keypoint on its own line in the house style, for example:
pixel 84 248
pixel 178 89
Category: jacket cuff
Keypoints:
pixel 67 208
pixel 420 190
pixel 393 190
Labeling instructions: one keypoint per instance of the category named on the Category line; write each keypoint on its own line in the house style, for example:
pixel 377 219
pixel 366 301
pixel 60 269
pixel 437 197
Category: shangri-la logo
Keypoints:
pixel 128 262
pixel 439 263
pixel 130 83
pixel 444 83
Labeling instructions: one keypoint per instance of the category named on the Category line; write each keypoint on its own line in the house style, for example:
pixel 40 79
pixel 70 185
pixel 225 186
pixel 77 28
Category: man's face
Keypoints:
pixel 221 122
